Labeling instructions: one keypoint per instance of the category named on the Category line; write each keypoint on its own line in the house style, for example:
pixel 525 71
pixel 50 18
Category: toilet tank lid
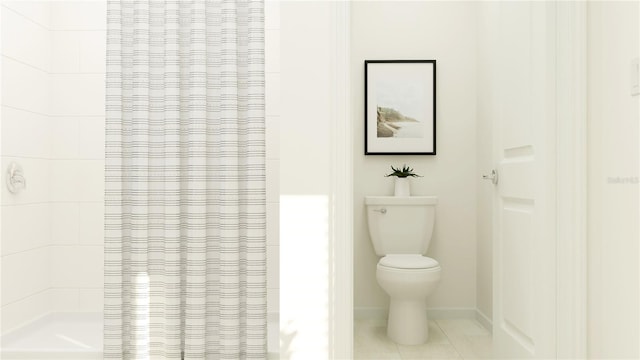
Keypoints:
pixel 401 200
pixel 408 261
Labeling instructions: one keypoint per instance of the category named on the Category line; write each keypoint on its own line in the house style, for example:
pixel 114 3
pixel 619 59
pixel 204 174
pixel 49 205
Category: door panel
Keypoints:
pixel 517 269
pixel 524 248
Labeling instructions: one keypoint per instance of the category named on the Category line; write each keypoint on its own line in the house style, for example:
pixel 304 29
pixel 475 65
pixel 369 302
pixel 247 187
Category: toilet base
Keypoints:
pixel 408 324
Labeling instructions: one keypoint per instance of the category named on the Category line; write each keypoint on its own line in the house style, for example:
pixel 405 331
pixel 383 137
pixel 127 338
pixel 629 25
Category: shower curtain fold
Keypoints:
pixel 185 250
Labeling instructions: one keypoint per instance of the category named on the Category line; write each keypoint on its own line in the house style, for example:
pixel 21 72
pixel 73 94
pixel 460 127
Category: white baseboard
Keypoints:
pixel 451 313
pixel 375 313
pixel 484 320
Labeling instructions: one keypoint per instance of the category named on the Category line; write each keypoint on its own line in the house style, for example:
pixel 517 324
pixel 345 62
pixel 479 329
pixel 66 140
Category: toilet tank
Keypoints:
pixel 400 225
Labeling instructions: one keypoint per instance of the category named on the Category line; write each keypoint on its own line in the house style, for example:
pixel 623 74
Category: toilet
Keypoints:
pixel 400 229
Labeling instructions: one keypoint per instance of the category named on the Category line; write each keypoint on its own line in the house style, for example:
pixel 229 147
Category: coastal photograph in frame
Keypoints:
pixel 400 107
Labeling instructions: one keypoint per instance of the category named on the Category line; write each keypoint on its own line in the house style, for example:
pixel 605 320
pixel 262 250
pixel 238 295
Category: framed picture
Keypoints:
pixel 400 107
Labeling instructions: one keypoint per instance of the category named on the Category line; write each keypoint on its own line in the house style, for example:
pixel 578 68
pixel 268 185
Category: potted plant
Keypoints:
pixel 402 185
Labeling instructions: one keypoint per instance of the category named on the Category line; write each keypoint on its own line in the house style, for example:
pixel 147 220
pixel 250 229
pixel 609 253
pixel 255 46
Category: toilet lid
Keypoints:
pixel 408 261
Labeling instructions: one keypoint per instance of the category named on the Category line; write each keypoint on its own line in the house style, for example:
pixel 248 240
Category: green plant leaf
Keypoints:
pixel 402 172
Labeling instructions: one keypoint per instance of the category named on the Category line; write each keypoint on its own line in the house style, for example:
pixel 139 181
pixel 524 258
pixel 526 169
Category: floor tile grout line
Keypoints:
pixel 449 340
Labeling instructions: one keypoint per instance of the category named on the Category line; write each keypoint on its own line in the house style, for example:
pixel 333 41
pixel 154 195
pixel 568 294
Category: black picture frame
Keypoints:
pixel 400 107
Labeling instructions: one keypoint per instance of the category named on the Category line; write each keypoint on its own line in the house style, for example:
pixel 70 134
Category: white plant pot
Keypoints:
pixel 403 187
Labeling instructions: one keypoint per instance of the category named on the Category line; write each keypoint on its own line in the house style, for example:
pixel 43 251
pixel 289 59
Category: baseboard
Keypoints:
pixel 375 313
pixel 484 320
pixel 451 313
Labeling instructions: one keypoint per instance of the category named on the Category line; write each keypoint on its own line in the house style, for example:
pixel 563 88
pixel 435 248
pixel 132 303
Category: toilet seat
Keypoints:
pixel 408 261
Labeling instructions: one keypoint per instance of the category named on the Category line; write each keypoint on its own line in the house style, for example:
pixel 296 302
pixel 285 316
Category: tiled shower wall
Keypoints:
pixel 26 217
pixel 78 47
pixel 53 61
pixel 53 125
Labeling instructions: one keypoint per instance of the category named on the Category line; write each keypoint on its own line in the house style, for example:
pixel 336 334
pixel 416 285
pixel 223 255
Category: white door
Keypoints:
pixel 524 135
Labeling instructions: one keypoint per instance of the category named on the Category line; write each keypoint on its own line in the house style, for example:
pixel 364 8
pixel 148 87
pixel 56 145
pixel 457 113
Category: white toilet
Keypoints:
pixel 401 229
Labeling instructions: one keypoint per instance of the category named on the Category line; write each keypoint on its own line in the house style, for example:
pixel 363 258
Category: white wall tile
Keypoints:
pixel 273 224
pixel 272 51
pixel 65 52
pixel 21 312
pixel 65 223
pixel 69 129
pixel 36 11
pixel 81 178
pixel 77 180
pixel 65 137
pixel 272 137
pixel 32 46
pixel 91 187
pixel 92 136
pixel 25 227
pixel 65 178
pixel 36 172
pixel 82 95
pixel 273 183
pixel 79 15
pixel 93 51
pixel 24 87
pixel 272 94
pixel 91 300
pixel 77 266
pixel 24 274
pixel 25 134
pixel 273 268
pixel 77 94
pixel 91 223
pixel 65 300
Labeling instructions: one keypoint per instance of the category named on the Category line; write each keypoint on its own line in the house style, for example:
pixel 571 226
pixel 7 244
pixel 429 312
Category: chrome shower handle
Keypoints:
pixel 16 181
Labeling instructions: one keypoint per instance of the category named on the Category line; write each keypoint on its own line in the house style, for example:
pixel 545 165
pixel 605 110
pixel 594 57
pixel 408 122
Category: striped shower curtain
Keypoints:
pixel 185 252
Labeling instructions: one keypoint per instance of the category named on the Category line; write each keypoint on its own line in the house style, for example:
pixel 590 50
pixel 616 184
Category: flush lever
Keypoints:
pixel 381 211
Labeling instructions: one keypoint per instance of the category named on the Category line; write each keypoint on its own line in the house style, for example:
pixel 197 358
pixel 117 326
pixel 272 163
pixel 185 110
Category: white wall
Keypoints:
pixel 487 96
pixel 53 124
pixel 305 110
pixel 613 148
pixel 422 30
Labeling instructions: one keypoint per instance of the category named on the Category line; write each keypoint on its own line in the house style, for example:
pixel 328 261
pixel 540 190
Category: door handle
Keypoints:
pixel 493 177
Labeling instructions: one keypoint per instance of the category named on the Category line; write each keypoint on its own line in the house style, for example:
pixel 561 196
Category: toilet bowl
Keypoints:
pixel 401 230
pixel 408 280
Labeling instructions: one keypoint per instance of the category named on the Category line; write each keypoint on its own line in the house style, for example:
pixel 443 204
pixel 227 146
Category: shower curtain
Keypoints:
pixel 185 252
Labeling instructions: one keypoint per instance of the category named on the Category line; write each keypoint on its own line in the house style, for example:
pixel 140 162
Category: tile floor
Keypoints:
pixel 448 339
